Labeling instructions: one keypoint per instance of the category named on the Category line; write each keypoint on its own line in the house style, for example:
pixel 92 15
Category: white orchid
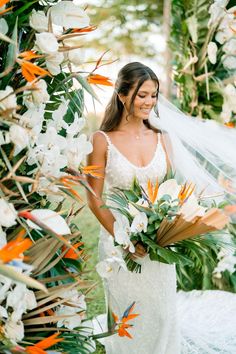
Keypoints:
pixel 38 21
pixel 212 52
pixel 139 223
pixel 19 136
pixel 38 96
pixel 106 268
pixel 122 233
pixel 169 187
pixel 77 149
pixel 3 312
pixel 74 297
pixel 47 42
pixel 33 116
pixel 50 139
pixel 7 213
pixel 217 11
pixel 3 26
pixel 3 239
pixel 225 31
pixel 72 321
pixel 8 99
pixel 20 299
pixel 111 250
pixel 5 284
pixel 74 128
pixel 14 330
pixel 230 47
pixel 229 62
pixel 69 15
pixel 51 219
pixel 53 62
pixel 57 121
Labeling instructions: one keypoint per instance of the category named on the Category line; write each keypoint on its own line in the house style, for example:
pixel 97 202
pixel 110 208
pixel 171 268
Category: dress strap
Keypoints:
pixel 106 136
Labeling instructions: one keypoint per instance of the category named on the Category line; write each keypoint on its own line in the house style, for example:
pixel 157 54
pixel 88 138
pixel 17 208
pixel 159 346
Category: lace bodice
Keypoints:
pixel 120 172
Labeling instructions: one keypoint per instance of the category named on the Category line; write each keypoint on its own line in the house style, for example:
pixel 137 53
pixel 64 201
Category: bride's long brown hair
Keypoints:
pixel 131 75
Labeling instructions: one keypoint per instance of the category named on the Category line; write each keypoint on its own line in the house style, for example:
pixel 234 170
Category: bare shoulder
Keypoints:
pixel 99 140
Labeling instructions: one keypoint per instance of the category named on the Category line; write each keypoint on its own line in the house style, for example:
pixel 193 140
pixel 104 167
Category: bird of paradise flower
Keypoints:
pixel 121 325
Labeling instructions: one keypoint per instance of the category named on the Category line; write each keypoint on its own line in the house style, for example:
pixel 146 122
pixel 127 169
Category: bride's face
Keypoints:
pixel 144 101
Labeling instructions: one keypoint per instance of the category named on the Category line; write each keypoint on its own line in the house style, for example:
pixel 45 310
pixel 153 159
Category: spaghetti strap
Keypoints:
pixel 106 136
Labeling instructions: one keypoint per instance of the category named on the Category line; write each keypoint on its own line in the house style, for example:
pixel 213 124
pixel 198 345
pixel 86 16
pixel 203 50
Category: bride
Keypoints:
pixel 130 144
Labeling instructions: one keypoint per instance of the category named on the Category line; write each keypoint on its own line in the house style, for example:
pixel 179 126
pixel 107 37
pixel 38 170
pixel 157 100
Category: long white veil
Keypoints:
pixel 201 151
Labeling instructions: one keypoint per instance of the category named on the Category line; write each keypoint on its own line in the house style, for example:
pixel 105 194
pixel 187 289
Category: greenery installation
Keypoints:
pixel 43 280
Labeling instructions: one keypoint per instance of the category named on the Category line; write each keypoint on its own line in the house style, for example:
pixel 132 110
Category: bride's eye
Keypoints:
pixel 141 96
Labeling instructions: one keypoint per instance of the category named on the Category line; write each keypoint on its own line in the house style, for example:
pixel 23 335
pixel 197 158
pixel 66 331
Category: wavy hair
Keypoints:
pixel 131 75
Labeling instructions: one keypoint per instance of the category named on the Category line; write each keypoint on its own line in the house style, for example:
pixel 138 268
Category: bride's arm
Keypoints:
pixel 98 157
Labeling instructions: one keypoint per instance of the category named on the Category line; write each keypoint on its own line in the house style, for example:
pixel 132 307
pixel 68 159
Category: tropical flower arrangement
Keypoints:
pixel 165 219
pixel 43 286
pixel 205 62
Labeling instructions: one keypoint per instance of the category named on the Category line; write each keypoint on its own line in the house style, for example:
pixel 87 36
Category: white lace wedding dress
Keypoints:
pixel 169 322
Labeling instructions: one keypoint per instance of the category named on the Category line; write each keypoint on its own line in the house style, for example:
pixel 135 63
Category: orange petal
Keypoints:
pixel 99 80
pixel 30 54
pixel 13 249
pixel 49 342
pixel 6 10
pixel 30 71
pixel 84 30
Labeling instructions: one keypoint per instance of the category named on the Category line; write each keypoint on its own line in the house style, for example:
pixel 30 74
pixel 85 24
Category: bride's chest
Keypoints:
pixel 120 172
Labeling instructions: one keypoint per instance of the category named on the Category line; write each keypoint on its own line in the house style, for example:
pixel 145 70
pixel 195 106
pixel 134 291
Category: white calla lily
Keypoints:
pixel 191 208
pixel 69 15
pixel 139 223
pixel 51 219
pixel 169 187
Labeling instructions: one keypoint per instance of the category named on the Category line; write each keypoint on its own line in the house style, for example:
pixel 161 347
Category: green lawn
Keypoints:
pixel 89 227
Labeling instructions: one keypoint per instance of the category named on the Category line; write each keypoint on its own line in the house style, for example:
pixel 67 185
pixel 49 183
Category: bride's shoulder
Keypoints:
pixel 99 139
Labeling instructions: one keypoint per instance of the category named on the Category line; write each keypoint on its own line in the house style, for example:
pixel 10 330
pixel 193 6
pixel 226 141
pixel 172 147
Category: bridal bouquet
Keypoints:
pixel 163 218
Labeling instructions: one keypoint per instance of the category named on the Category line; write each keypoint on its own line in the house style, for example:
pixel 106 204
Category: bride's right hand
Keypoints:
pixel 140 250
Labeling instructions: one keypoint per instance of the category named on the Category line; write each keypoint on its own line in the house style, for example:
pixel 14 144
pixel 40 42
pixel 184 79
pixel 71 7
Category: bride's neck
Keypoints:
pixel 132 124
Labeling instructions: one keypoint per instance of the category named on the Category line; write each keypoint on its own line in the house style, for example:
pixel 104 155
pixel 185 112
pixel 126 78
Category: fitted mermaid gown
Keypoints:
pixel 194 322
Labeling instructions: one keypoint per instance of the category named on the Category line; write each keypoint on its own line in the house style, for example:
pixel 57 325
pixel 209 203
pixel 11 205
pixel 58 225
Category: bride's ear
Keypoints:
pixel 122 99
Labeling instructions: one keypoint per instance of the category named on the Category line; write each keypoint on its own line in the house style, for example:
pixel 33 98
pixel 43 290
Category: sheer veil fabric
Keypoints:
pixel 200 151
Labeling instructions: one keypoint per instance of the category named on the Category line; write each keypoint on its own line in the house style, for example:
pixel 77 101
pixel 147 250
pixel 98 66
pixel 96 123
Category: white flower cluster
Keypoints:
pixel 229 105
pixel 15 300
pixel 227 261
pixel 64 14
pixel 226 26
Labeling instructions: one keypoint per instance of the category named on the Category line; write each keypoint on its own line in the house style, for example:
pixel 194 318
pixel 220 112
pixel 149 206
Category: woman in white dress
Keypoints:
pixel 127 146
